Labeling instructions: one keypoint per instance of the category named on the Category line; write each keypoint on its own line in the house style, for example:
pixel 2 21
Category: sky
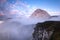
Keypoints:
pixel 27 7
pixel 51 6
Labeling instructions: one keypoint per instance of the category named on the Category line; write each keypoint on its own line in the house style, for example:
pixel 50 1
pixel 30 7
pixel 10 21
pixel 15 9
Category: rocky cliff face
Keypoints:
pixel 49 30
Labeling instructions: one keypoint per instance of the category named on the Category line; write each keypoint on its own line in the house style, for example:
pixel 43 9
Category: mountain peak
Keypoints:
pixel 39 13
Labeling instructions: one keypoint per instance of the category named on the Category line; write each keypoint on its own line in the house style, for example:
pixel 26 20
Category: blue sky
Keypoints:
pixel 50 6
pixel 53 5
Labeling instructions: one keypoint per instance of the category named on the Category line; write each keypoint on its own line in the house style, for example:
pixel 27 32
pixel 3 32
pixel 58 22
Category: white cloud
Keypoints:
pixel 24 8
pixel 1 22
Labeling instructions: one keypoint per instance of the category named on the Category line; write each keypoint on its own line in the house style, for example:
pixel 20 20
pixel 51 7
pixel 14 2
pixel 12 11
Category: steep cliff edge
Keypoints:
pixel 49 30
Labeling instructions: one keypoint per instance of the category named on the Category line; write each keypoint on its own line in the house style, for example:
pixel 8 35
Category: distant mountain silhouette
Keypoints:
pixel 39 13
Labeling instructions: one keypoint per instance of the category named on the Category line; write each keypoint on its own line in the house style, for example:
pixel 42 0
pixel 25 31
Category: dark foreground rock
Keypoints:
pixel 49 30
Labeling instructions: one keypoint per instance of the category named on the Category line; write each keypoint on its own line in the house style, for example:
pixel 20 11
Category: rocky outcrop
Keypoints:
pixel 49 30
pixel 39 13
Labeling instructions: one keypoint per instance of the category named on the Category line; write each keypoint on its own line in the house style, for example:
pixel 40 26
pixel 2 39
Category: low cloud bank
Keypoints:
pixel 16 25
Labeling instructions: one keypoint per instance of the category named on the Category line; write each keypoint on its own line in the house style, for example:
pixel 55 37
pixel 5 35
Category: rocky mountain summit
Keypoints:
pixel 39 13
